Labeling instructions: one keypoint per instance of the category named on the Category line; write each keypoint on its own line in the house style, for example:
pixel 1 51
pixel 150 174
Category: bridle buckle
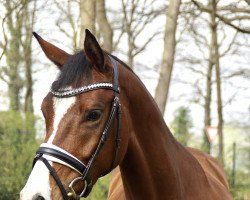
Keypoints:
pixel 71 193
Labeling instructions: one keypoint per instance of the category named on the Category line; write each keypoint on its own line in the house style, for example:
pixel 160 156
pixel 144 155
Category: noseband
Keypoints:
pixel 49 152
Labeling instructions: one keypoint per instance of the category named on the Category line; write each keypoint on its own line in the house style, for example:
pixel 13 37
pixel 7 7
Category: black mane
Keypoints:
pixel 73 72
pixel 76 69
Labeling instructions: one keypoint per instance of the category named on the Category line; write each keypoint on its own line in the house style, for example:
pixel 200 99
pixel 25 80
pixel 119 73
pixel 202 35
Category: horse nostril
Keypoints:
pixel 39 198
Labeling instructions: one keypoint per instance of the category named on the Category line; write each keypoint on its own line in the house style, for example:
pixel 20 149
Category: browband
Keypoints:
pixel 73 92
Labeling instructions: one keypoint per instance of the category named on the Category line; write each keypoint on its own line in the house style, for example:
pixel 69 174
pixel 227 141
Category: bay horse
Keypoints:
pixel 98 116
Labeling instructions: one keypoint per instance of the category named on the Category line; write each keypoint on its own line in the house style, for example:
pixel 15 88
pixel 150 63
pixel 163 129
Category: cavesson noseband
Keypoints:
pixel 48 153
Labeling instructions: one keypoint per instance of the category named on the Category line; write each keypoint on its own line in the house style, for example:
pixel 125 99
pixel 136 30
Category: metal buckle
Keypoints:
pixel 72 194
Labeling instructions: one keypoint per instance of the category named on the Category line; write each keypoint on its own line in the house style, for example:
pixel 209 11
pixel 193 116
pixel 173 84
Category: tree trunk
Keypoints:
pixel 105 28
pixel 162 88
pixel 29 18
pixel 28 102
pixel 206 147
pixel 218 80
pixel 130 52
pixel 128 21
pixel 87 18
pixel 14 25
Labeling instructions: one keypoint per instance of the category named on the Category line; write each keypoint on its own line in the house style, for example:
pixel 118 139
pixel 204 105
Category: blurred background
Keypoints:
pixel 192 55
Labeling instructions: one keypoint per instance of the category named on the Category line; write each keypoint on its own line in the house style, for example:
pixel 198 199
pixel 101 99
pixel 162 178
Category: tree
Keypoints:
pixel 181 125
pixel 18 144
pixel 208 98
pixel 163 85
pixel 137 16
pixel 218 79
pixel 11 73
pixel 105 28
pixel 91 15
pixel 17 130
pixel 17 28
pixel 231 14
pixel 215 17
pixel 87 18
pixel 29 20
pixel 71 21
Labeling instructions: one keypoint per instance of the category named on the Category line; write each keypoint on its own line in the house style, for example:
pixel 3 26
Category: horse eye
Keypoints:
pixel 93 115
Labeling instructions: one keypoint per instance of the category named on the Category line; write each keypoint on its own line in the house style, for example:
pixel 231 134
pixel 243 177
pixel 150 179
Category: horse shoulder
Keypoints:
pixel 211 166
pixel 116 189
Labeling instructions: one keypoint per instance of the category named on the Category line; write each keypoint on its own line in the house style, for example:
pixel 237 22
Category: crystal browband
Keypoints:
pixel 73 92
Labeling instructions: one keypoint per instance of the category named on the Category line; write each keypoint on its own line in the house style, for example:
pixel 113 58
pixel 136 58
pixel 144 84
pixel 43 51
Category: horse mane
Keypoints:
pixel 73 72
pixel 120 61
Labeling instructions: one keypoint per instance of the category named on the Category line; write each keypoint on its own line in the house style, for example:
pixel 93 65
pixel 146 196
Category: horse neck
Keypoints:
pixel 155 163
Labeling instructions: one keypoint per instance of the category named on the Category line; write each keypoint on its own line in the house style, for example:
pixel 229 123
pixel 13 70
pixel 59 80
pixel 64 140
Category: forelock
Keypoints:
pixel 76 69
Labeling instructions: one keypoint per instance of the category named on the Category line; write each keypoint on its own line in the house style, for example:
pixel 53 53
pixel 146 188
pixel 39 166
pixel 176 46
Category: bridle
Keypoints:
pixel 48 153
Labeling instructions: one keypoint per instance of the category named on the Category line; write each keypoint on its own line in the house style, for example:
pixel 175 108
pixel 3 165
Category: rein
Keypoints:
pixel 48 153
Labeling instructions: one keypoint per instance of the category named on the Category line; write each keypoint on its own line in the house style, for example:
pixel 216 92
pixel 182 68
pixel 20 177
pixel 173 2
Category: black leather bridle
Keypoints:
pixel 49 152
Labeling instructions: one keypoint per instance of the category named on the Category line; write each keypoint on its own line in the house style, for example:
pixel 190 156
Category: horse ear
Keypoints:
pixel 93 51
pixel 56 55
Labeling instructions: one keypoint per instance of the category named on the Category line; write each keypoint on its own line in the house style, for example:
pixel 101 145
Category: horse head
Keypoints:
pixel 83 120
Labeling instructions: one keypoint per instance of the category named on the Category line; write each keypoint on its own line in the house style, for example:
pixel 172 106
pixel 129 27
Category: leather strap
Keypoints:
pixel 55 176
pixel 118 111
pixel 62 156
pixel 116 75
pixel 103 137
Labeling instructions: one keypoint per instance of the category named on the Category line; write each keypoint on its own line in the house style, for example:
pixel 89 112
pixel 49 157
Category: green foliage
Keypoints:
pixel 181 125
pixel 241 192
pixel 17 147
pixel 240 182
pixel 100 190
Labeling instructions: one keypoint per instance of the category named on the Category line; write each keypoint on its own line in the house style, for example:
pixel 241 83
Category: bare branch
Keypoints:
pixel 239 18
pixel 4 49
pixel 241 72
pixel 233 9
pixel 146 43
pixel 229 101
pixel 118 39
pixel 222 18
pixel 5 44
pixel 2 72
pixel 248 2
pixel 230 45
pixel 199 89
pixel 201 6
pixel 68 15
pixel 229 23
